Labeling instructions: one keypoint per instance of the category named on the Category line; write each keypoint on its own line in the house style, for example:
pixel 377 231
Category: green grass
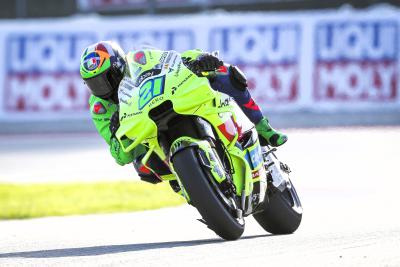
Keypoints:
pixel 21 201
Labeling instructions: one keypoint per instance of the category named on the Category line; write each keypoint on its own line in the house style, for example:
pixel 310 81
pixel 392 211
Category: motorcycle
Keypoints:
pixel 210 146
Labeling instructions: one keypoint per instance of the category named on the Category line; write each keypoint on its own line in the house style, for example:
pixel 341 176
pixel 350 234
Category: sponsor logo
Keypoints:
pixel 224 102
pixel 174 61
pixel 42 74
pixel 171 63
pixel 269 55
pixel 140 57
pixel 255 156
pixel 98 108
pixel 124 97
pixel 125 101
pixel 168 59
pixel 185 80
pixel 92 61
pixel 150 54
pixel 166 39
pixel 127 83
pixel 130 115
pixel 173 90
pixel 146 74
pixel 356 61
pixel 125 90
pixel 163 56
pixel 136 72
pixel 255 174
pixel 178 69
pixel 155 101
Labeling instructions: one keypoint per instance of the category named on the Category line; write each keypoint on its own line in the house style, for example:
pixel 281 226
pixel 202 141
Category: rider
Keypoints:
pixel 103 66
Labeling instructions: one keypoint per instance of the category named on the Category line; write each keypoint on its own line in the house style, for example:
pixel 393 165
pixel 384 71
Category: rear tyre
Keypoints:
pixel 203 196
pixel 282 212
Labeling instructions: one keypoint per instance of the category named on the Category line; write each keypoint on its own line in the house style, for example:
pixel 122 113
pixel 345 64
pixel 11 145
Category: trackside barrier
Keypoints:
pixel 316 61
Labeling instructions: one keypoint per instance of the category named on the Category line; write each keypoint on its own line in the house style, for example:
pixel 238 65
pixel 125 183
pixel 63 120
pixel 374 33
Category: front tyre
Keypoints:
pixel 282 212
pixel 203 196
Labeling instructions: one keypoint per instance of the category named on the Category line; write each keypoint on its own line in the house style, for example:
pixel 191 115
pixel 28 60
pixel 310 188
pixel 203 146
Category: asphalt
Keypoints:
pixel 79 157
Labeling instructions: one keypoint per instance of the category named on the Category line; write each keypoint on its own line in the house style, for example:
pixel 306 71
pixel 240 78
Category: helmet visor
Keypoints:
pixel 99 85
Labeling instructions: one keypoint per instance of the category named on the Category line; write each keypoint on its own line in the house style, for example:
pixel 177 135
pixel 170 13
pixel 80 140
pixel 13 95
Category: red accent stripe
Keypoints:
pixel 251 105
pixel 223 69
pixel 144 169
pixel 96 108
pixel 223 130
pixel 238 127
pixel 101 47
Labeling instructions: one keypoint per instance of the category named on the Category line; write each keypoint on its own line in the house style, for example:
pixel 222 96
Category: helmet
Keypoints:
pixel 102 68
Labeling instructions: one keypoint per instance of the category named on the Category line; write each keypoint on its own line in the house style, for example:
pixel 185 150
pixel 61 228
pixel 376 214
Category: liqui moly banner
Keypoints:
pixel 269 55
pixel 316 61
pixel 356 61
pixel 41 74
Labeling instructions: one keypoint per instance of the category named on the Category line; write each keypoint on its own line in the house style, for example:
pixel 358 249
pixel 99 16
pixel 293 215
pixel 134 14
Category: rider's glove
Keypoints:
pixel 114 123
pixel 205 62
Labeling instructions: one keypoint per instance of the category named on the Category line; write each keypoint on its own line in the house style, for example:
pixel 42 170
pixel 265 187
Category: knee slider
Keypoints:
pixel 237 77
pixel 145 173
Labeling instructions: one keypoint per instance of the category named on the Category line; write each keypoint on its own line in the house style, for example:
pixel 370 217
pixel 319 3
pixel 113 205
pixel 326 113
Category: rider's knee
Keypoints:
pixel 153 170
pixel 145 173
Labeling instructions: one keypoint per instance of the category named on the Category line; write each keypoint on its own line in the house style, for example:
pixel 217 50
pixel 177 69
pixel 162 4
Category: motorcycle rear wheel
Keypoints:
pixel 282 212
pixel 203 196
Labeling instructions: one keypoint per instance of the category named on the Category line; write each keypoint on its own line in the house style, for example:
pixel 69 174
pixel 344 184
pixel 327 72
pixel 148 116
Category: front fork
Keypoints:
pixel 277 171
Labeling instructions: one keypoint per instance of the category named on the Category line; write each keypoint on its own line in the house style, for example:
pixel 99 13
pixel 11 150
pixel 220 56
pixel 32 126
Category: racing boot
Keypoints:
pixel 268 135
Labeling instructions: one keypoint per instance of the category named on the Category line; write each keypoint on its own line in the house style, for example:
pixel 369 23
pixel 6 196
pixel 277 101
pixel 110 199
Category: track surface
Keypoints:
pixel 58 158
pixel 348 181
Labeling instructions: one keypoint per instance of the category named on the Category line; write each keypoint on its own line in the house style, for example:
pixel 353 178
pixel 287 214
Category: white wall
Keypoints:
pixel 318 61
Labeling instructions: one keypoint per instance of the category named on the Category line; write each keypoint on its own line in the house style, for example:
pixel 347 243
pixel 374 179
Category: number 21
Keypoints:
pixel 150 90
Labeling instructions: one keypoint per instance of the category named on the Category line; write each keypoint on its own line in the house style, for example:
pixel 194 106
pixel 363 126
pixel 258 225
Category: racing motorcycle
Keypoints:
pixel 211 147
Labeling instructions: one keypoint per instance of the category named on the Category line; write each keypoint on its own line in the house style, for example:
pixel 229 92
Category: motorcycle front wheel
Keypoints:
pixel 203 196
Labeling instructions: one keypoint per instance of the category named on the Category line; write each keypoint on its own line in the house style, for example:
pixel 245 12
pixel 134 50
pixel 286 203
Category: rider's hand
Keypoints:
pixel 205 62
pixel 114 123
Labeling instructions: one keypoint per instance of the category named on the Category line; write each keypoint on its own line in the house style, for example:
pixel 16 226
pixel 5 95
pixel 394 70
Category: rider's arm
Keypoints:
pixel 101 112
